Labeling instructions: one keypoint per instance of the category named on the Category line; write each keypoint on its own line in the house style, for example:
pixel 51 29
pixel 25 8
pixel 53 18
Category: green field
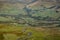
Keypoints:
pixel 12 32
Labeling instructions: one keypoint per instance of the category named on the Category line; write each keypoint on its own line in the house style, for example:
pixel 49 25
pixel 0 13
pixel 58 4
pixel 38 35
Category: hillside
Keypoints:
pixel 29 20
pixel 33 13
pixel 12 32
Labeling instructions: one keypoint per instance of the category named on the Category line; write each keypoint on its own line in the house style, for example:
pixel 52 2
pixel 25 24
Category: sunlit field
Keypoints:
pixel 13 32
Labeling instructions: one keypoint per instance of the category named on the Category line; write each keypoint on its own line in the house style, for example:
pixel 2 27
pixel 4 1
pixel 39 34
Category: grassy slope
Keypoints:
pixel 15 10
pixel 12 32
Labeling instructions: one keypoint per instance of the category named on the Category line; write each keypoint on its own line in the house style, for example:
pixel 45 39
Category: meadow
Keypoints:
pixel 13 32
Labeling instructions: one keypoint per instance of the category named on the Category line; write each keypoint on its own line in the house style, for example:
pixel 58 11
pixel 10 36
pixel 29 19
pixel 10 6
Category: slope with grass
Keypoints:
pixel 11 32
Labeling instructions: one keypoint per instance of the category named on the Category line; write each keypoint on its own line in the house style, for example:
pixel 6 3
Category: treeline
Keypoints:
pixel 47 18
pixel 31 20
